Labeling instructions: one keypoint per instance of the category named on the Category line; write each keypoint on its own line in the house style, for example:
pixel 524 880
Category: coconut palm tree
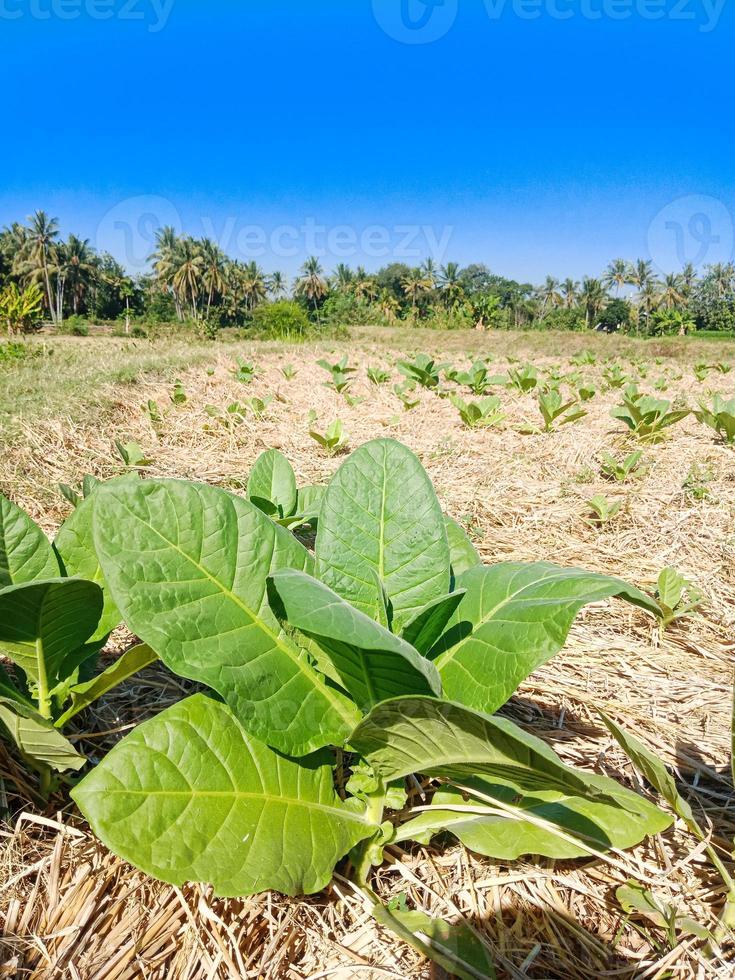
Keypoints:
pixel 213 274
pixel 277 285
pixel 549 294
pixel 38 254
pixel 413 285
pixel 254 285
pixel 592 296
pixel 430 272
pixel 570 293
pixel 342 278
pixel 311 284
pixel 164 260
pixel 449 283
pixel 80 268
pixel 723 277
pixel 188 279
pixel 617 275
pixel 688 278
pixel 672 291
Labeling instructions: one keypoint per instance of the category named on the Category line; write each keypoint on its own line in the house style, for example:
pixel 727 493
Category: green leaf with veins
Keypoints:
pixel 380 516
pixel 187 565
pixel 540 822
pixel 26 554
pixel 38 740
pixel 462 553
pixel 372 663
pixel 513 619
pixel 272 479
pixel 190 796
pixel 126 665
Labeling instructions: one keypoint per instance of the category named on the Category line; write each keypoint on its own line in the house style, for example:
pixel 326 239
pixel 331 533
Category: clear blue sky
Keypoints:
pixel 533 143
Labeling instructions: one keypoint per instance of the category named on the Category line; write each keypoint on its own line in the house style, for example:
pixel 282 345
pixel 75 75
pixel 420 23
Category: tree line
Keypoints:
pixel 193 280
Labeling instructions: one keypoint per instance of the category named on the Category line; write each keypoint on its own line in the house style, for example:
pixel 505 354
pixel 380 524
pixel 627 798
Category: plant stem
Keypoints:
pixel 364 855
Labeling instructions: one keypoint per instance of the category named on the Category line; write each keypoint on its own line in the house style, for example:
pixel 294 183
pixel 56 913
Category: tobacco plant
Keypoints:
pixel 378 376
pixel 334 439
pixel 622 470
pixel 389 648
pixel 244 372
pixel 602 510
pixel 55 617
pixel 676 596
pixel 720 416
pixel 339 374
pixel 525 378
pixel 272 488
pixel 555 411
pixel 486 412
pixel 477 378
pixel 423 370
pixel 647 417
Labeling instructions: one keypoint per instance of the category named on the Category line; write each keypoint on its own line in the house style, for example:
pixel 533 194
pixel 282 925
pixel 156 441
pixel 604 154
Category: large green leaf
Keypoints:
pixel 190 796
pixel 37 738
pixel 620 820
pixel 513 619
pixel 439 738
pixel 187 565
pixel 272 479
pixel 424 630
pixel 126 665
pixel 372 663
pixel 25 552
pixel 44 626
pixel 381 522
pixel 462 553
pixel 74 544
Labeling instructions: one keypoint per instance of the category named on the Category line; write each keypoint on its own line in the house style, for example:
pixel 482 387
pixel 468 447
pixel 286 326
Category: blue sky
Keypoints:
pixel 533 143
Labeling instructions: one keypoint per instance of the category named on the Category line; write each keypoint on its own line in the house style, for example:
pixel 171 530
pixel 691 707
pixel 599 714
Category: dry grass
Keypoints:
pixel 71 909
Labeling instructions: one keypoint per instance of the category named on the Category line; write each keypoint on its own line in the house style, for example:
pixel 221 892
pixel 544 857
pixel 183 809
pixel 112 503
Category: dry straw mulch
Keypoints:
pixel 71 909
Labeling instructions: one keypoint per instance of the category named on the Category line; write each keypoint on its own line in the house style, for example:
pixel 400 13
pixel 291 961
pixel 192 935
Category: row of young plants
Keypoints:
pixel 353 688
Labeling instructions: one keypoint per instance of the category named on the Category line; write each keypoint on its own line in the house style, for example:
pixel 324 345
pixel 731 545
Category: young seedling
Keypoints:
pixel 339 374
pixel 378 376
pixel 154 413
pixel 88 484
pixel 389 655
pixel 555 411
pixel 131 454
pixel 272 488
pixel 244 372
pixel 259 406
pixel 615 377
pixel 334 440
pixel 603 510
pixel 661 384
pixel 178 395
pixel 647 417
pixel 422 370
pixel 483 413
pixel 701 370
pixel 56 614
pixel 586 358
pixel 720 417
pixel 289 372
pixel 404 393
pixel 622 470
pixel 696 484
pixel 676 596
pixel 586 392
pixel 230 417
pixel 478 379
pixel 525 378
pixel 723 367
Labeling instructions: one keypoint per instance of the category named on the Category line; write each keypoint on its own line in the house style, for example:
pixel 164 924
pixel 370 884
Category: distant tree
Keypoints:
pixel 311 283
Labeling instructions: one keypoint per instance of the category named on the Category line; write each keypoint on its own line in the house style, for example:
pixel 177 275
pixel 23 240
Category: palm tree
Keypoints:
pixel 213 278
pixel 277 285
pixel 723 277
pixel 592 296
pixel 429 270
pixel 80 268
pixel 672 292
pixel 413 285
pixel 617 275
pixel 188 279
pixel 342 278
pixel 39 253
pixel 164 260
pixel 311 284
pixel 449 283
pixel 549 294
pixel 366 288
pixel 570 291
pixel 688 278
pixel 254 285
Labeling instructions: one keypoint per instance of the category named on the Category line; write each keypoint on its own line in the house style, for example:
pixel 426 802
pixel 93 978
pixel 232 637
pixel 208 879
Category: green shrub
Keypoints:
pixel 73 326
pixel 282 320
